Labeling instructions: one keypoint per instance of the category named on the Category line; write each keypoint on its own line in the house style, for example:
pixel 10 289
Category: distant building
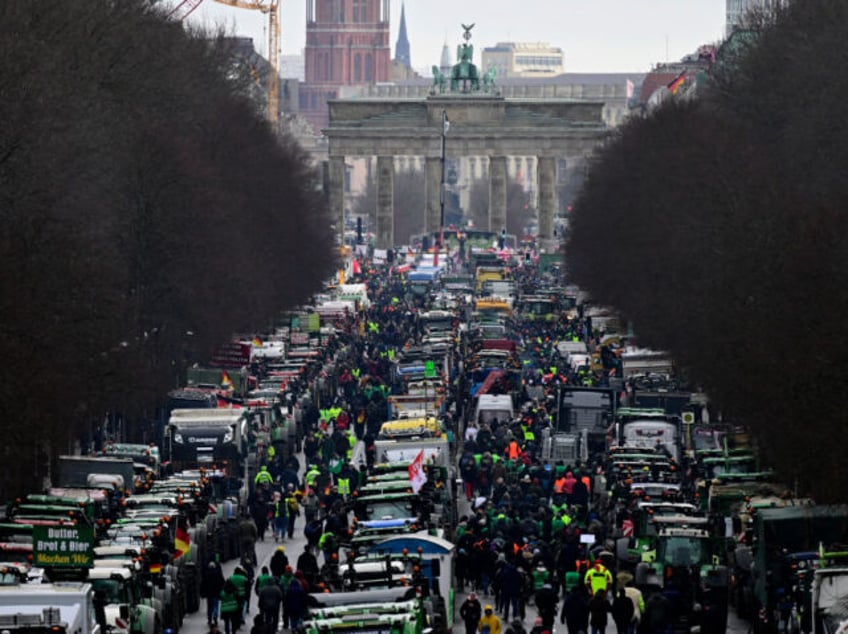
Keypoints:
pixel 445 62
pixel 524 59
pixel 616 90
pixel 402 54
pixel 347 44
pixel 736 10
pixel 292 67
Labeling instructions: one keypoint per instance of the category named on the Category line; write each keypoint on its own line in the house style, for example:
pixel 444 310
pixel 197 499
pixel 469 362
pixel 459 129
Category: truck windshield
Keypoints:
pixel 680 551
pixel 114 591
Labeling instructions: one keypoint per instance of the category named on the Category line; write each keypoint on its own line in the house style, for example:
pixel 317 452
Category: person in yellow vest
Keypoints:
pixel 351 439
pixel 311 475
pixel 263 477
pixel 598 577
pixel 292 509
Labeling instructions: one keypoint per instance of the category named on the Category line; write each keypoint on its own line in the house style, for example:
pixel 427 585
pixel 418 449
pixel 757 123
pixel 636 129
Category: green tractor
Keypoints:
pixel 689 569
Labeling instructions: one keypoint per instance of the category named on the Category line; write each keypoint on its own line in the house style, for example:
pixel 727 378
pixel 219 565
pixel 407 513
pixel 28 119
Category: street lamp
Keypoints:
pixel 445 128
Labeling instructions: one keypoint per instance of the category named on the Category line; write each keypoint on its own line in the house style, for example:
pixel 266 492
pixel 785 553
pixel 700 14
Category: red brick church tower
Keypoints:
pixel 347 44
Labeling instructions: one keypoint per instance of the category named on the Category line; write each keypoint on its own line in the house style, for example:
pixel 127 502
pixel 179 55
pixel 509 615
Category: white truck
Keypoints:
pixel 57 608
pixel 830 596
pixel 202 437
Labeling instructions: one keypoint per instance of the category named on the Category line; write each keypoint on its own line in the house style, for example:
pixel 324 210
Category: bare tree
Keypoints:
pixel 717 226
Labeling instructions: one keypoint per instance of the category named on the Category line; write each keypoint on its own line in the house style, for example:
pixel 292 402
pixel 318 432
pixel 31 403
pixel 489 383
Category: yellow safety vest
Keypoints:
pixel 344 486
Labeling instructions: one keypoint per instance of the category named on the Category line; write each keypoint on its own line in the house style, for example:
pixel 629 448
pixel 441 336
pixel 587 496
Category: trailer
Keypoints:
pixel 81 471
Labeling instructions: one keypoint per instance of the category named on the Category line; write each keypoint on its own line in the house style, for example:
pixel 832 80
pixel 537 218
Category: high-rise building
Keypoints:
pixel 347 43
pixel 445 62
pixel 524 59
pixel 736 10
pixel 402 45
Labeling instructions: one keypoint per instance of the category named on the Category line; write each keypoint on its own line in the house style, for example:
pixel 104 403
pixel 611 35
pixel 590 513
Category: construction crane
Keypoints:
pixel 272 8
pixel 183 9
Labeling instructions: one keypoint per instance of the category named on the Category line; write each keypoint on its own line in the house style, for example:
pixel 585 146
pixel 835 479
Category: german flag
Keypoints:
pixel 182 542
pixel 226 381
pixel 155 569
pixel 257 342
pixel 677 82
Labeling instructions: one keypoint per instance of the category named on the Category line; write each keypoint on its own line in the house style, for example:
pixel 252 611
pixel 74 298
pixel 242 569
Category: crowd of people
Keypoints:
pixel 533 532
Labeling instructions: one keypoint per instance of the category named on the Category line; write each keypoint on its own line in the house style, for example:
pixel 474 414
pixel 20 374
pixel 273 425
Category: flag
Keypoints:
pixel 257 342
pixel 677 82
pixel 630 89
pixel 357 269
pixel 226 381
pixel 155 569
pixel 182 542
pixel 416 472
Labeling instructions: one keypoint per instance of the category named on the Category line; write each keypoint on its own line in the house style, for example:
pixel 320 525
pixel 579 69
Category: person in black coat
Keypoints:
pixel 278 563
pixel 622 612
pixel 599 609
pixel 575 610
pixel 546 602
pixel 307 563
pixel 471 611
pixel 210 588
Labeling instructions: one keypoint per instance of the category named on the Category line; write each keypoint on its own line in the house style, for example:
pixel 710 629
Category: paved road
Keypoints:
pixel 196 623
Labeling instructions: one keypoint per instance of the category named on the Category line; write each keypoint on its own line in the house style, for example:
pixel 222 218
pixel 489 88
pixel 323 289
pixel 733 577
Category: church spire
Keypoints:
pixel 402 45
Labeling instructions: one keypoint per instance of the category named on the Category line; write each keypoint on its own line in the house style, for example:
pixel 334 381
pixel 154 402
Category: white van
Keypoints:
pixel 491 407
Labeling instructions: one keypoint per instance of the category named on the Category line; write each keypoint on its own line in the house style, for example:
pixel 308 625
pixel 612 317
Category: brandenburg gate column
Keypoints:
pixel 337 190
pixel 497 193
pixel 546 182
pixel 432 193
pixel 385 202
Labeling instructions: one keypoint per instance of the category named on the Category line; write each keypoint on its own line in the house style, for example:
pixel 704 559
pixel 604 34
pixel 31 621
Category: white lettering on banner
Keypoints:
pixel 405 455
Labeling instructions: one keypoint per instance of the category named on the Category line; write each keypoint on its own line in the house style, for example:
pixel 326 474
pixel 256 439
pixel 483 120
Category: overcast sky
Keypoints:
pixel 596 35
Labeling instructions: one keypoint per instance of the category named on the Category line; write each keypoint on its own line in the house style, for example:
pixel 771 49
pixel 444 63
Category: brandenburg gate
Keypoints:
pixel 482 124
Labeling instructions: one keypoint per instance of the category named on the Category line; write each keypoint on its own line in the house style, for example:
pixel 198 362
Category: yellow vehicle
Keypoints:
pixel 489 274
pixel 428 427
pixel 490 305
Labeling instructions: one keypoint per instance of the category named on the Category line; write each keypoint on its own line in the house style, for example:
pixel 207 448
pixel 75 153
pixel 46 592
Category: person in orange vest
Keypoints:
pixel 560 484
pixel 513 450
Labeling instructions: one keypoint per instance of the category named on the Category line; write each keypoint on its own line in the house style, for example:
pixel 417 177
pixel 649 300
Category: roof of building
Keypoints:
pixel 653 81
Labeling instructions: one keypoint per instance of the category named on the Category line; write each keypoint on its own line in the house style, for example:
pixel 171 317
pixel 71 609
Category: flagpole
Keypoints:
pixel 445 127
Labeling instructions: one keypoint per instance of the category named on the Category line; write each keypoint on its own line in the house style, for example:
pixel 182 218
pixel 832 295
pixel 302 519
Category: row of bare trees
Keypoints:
pixel 144 201
pixel 718 226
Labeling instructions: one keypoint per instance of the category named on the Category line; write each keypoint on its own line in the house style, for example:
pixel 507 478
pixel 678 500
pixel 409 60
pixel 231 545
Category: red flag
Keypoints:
pixel 356 268
pixel 416 472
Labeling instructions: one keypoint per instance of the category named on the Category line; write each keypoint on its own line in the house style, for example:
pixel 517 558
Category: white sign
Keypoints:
pixel 406 455
pixel 417 477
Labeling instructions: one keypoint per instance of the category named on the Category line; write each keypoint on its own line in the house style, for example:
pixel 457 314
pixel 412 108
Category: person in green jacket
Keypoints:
pixel 263 579
pixel 230 608
pixel 239 581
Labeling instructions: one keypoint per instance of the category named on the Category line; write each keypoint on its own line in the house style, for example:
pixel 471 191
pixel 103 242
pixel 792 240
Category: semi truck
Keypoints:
pixel 54 608
pixel 203 437
pixel 783 536
pixel 83 471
